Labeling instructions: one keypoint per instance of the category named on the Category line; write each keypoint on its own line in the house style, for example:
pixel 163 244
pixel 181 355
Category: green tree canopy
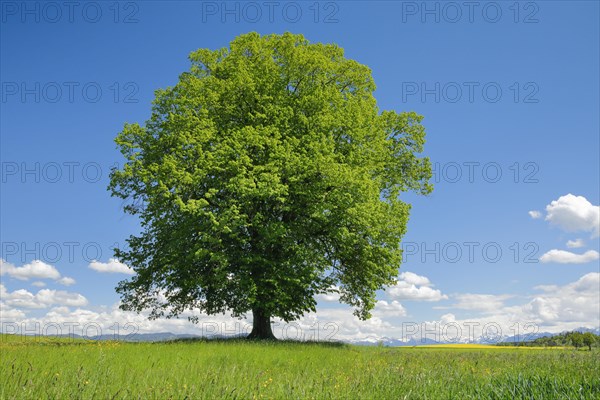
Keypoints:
pixel 588 339
pixel 265 176
pixel 577 339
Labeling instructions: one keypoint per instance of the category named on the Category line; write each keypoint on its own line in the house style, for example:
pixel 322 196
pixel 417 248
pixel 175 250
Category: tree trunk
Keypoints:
pixel 261 326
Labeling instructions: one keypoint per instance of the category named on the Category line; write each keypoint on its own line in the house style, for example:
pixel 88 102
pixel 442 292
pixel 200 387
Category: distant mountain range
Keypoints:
pixel 368 341
pixel 393 342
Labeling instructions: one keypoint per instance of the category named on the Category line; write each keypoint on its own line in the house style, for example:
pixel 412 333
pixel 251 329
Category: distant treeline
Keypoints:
pixel 575 339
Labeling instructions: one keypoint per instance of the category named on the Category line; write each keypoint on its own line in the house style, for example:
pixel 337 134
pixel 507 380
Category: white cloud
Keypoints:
pixel 553 308
pixel 60 297
pixel 575 244
pixel 112 266
pixel 5 267
pixel 392 308
pixel 330 297
pixel 34 270
pixel 411 286
pixel 557 308
pixel 22 298
pixel 480 302
pixel 9 313
pixel 66 281
pixel 339 323
pixel 328 323
pixel 42 299
pixel 574 214
pixel 577 302
pixel 535 214
pixel 566 257
pixel 414 279
pixel 447 318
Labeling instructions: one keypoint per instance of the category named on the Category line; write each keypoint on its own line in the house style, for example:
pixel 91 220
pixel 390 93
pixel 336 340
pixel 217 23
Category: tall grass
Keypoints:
pixel 61 368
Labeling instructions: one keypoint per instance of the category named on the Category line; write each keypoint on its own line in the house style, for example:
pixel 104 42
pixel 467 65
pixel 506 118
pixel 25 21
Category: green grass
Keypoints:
pixel 63 368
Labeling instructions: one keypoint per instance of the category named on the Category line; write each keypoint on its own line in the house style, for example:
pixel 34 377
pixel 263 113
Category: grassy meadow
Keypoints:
pixel 46 368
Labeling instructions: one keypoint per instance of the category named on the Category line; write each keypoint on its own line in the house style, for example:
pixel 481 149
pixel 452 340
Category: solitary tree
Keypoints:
pixel 577 339
pixel 588 339
pixel 265 176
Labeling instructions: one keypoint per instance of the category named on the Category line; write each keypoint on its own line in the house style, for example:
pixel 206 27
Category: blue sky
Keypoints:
pixel 506 88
